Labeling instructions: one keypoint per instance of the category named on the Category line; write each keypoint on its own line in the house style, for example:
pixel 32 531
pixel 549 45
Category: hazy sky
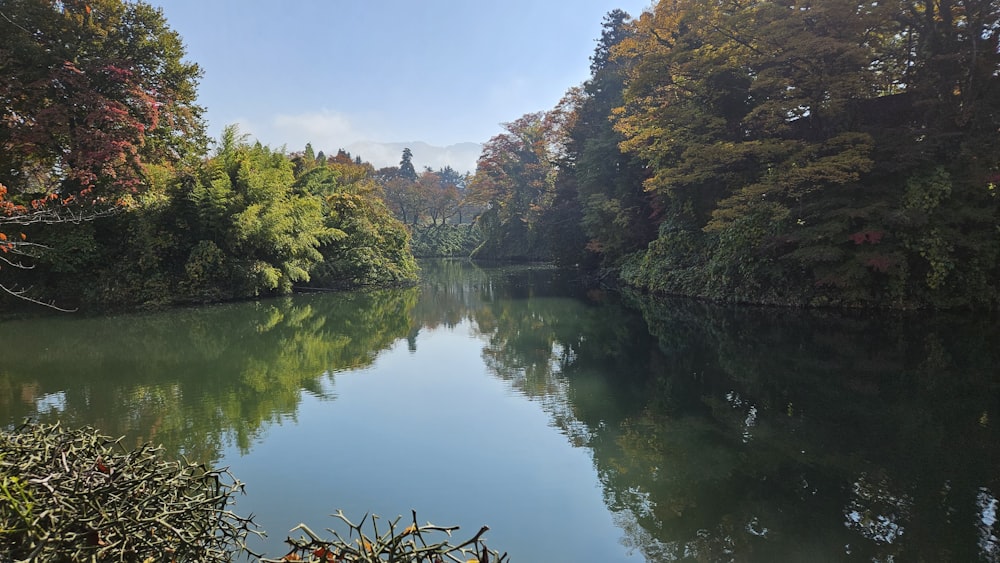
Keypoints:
pixel 335 72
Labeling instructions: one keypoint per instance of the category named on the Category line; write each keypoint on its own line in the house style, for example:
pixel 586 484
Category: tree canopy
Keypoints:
pixel 779 151
pixel 514 183
pixel 818 153
pixel 91 93
pixel 784 152
pixel 95 101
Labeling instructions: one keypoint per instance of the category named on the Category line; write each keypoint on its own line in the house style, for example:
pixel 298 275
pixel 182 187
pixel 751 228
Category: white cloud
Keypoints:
pixel 325 130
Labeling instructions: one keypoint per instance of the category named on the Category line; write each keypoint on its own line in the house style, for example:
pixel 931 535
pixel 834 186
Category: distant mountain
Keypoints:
pixel 462 156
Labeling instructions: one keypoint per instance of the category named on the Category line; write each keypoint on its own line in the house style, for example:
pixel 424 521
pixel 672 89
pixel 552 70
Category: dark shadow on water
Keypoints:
pixel 746 434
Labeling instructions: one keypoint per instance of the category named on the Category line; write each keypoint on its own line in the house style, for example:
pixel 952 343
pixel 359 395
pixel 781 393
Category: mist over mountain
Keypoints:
pixel 462 156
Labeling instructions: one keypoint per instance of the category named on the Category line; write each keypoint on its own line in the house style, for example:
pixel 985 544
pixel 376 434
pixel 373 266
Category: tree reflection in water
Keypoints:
pixel 193 380
pixel 728 434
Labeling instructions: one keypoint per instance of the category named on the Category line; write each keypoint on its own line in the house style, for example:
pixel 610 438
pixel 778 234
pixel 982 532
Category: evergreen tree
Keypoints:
pixel 406 170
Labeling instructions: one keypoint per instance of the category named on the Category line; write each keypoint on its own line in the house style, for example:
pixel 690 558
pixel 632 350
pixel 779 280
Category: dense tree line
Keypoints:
pixel 238 224
pixel 784 152
pixel 109 196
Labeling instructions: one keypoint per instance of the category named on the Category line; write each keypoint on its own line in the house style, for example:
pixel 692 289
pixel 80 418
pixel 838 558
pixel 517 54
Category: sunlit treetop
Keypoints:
pixel 91 93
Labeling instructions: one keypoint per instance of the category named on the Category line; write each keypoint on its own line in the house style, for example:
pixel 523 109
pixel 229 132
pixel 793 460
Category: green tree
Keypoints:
pixel 783 138
pixel 406 170
pixel 272 233
pixel 601 211
pixel 370 246
pixel 306 160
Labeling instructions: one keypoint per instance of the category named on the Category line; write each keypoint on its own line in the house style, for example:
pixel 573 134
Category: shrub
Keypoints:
pixel 79 496
pixel 412 544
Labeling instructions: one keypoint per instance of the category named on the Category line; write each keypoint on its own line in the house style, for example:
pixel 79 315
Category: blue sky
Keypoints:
pixel 336 72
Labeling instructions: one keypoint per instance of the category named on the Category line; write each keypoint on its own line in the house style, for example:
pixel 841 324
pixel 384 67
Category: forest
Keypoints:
pixel 785 152
pixel 833 153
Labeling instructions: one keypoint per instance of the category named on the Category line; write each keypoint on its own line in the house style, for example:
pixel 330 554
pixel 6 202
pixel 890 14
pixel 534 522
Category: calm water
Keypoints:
pixel 578 426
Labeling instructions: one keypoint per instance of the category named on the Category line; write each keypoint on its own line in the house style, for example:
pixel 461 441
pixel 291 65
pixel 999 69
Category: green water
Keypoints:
pixel 580 426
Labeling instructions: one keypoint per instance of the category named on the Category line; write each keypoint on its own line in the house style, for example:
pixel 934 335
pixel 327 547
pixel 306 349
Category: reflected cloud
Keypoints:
pixel 989 544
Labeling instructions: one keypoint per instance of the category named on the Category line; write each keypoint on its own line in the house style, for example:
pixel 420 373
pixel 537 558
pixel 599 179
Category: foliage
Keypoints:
pixel 400 195
pixel 90 93
pixel 445 240
pixel 238 225
pixel 371 246
pixel 406 170
pixel 96 102
pixel 514 183
pixel 436 196
pixel 79 496
pixel 17 252
pixel 392 545
pixel 827 149
pixel 99 116
pixel 441 195
pixel 598 184
pixel 269 233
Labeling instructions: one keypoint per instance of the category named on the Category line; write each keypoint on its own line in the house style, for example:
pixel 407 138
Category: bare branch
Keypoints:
pixel 23 294
pixel 53 216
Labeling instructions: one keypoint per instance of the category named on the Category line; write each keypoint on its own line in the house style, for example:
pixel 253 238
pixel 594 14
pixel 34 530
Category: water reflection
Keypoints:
pixel 725 434
pixel 717 434
pixel 194 380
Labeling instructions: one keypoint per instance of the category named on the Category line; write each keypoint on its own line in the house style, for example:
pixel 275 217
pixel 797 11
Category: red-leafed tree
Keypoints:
pixel 89 92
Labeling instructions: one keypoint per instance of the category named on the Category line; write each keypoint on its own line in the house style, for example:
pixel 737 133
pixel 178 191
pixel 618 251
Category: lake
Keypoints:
pixel 580 425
